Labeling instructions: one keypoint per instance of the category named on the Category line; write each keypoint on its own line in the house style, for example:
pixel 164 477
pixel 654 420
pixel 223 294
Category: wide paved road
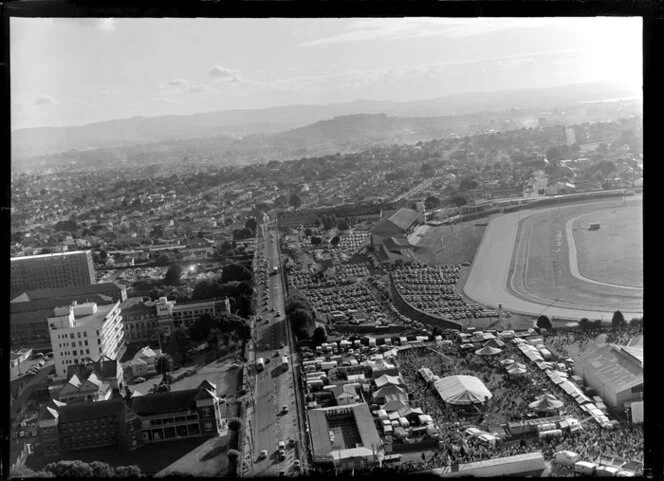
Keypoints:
pixel 487 282
pixel 274 385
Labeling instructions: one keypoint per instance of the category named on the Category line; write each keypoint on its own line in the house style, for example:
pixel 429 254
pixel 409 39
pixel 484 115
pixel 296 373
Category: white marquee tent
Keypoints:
pixel 461 390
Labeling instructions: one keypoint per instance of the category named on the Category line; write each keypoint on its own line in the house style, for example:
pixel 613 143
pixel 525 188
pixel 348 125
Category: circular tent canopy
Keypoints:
pixel 547 402
pixel 462 390
pixel 488 351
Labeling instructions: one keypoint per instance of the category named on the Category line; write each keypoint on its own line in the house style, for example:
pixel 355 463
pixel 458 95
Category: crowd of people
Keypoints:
pixel 432 289
pixel 510 403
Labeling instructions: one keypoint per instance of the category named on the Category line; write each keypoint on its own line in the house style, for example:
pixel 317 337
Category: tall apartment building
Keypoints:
pixel 62 269
pixel 85 331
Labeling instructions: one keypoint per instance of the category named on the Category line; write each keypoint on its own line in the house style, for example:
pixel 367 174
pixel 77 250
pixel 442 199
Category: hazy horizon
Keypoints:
pixel 68 72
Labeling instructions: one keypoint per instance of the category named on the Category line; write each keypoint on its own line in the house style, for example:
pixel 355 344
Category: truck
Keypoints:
pixel 260 364
pixel 284 362
pixel 274 271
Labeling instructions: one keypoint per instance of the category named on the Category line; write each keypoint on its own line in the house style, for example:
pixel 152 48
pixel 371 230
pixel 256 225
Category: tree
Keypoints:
pixel 102 470
pixel 70 469
pixel 201 327
pixel 244 233
pixel 459 200
pixel 553 155
pixel 25 472
pixel 299 318
pixel 235 272
pixel 426 169
pixel 584 324
pixel 244 306
pixel 544 322
pixel 319 336
pixel 251 224
pixel 163 260
pixel 315 240
pixel 335 240
pixel 178 342
pixel 618 320
pixel 235 424
pixel 128 472
pixel 163 365
pixel 225 247
pixel 636 323
pixel 343 225
pixel 432 202
pixel 307 232
pixel 437 331
pixel 173 275
pixel 295 201
pixel 214 339
pixel 467 183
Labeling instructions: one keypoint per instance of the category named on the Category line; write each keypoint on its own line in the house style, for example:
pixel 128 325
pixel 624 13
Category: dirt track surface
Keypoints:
pixel 500 273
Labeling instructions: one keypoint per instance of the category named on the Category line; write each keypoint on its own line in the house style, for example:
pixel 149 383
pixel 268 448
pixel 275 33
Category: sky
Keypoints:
pixel 81 70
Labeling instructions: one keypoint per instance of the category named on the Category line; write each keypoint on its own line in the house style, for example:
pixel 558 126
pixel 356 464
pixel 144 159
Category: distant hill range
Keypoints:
pixel 298 130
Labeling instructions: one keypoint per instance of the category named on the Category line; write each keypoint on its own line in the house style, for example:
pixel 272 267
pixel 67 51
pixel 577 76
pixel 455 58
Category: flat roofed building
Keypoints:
pixel 345 436
pixel 62 269
pixel 615 372
pixel 80 332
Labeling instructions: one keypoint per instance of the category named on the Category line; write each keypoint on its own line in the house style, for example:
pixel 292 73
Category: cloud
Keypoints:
pixel 223 73
pixel 182 86
pixel 400 28
pixel 45 100
pixel 110 93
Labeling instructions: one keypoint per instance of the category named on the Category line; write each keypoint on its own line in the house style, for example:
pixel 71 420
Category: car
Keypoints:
pixel 284 409
pixel 263 454
pixel 277 353
pixel 297 464
pixel 139 379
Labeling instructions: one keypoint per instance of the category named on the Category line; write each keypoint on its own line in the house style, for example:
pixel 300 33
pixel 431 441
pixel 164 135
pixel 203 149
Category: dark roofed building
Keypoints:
pixel 389 236
pixel 116 291
pixel 128 424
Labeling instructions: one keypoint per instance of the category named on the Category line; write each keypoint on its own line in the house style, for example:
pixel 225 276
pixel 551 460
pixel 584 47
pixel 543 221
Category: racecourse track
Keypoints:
pixel 528 263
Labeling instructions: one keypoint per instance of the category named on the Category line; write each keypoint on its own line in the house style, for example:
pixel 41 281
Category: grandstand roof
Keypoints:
pixel 404 218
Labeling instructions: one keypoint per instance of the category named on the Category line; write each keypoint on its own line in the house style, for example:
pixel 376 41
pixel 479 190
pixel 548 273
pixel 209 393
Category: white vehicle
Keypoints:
pixel 263 454
pixel 566 458
pixel 585 468
pixel 260 364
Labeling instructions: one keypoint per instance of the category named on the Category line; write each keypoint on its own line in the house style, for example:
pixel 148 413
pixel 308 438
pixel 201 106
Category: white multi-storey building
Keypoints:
pixel 85 331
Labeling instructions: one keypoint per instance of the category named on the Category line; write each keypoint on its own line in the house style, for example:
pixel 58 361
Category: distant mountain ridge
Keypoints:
pixel 234 124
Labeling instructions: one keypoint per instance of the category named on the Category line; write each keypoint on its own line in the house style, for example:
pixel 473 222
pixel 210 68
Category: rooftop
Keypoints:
pixel 616 367
pixel 37 294
pixel 46 256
